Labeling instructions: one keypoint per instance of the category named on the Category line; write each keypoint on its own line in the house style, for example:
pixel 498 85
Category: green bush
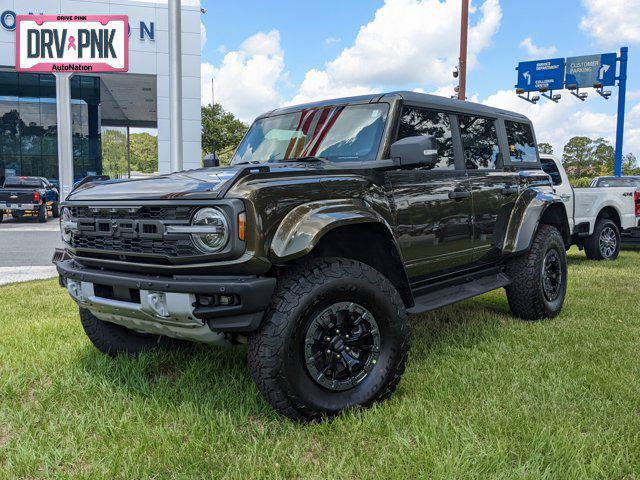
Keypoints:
pixel 581 182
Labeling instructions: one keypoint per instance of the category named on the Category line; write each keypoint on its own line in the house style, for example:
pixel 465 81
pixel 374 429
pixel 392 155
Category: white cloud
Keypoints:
pixel 557 123
pixel 332 40
pixel 203 35
pixel 246 81
pixel 407 42
pixel 536 51
pixel 611 22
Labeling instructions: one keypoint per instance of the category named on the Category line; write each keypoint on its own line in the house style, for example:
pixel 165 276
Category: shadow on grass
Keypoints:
pixel 217 378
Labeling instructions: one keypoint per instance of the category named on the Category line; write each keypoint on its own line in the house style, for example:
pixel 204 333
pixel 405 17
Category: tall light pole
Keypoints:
pixel 175 84
pixel 464 27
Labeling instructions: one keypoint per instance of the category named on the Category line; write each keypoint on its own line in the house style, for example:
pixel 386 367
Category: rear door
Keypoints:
pixel 494 188
pixel 433 205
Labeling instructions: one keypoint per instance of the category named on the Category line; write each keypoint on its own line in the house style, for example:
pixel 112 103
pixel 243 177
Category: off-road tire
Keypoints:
pixel 526 294
pixel 275 357
pixel 112 339
pixel 55 210
pixel 592 243
pixel 42 213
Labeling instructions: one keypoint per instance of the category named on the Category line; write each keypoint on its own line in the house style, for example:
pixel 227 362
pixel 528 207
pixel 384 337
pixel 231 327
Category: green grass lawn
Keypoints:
pixel 484 396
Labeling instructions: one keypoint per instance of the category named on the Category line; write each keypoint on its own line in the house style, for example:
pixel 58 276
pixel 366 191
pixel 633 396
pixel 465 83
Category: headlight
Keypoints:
pixel 66 224
pixel 210 230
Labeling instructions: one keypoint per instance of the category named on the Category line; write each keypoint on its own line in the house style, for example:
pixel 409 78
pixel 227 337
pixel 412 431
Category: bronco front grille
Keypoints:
pixel 135 213
pixel 128 232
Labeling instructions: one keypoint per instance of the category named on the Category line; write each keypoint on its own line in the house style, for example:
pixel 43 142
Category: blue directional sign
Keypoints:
pixel 541 74
pixel 590 70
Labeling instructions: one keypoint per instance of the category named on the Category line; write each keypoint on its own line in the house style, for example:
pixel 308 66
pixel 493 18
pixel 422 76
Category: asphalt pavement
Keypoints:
pixel 26 249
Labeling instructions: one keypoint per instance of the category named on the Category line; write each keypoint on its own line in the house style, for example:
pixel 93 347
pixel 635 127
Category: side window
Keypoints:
pixel 551 169
pixel 522 148
pixel 419 121
pixel 479 142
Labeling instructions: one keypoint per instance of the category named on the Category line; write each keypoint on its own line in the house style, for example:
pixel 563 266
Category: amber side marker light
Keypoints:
pixel 242 225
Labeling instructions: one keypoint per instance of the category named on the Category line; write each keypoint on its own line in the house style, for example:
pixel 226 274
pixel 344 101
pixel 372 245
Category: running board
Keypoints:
pixel 456 293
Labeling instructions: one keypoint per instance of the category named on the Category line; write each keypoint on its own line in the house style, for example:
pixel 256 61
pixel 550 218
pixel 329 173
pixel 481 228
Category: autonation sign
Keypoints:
pixel 72 43
pixel 146 29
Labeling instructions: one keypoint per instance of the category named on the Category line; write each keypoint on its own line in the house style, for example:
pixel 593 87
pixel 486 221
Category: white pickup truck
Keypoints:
pixel 597 216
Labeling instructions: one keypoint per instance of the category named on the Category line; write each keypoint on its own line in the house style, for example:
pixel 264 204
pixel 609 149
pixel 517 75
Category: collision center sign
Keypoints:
pixel 72 43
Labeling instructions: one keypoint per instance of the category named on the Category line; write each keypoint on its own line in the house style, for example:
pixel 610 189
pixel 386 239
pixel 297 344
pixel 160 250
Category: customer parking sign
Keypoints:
pixel 72 43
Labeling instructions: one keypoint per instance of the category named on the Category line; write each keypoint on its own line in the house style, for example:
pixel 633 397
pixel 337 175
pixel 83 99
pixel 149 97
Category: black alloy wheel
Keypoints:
pixel 342 345
pixel 552 275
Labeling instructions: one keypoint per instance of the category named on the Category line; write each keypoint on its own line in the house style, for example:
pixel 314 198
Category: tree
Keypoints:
pixel 603 156
pixel 629 165
pixel 114 153
pixel 545 148
pixel 221 131
pixel 578 157
pixel 144 152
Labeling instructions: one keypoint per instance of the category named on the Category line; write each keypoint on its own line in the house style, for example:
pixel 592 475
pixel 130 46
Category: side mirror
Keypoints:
pixel 413 152
pixel 211 160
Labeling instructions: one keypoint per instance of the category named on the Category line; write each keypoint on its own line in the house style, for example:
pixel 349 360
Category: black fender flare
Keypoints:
pixel 304 226
pixel 529 210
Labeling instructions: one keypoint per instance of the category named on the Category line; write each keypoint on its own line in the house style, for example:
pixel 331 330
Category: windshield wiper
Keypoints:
pixel 310 158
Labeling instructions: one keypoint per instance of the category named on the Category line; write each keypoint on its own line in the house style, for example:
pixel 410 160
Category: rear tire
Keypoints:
pixel 604 244
pixel 335 336
pixel 42 213
pixel 112 339
pixel 55 210
pixel 539 277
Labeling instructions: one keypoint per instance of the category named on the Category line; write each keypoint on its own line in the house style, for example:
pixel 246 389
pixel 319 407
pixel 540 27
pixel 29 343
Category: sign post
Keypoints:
pixel 63 45
pixel 622 93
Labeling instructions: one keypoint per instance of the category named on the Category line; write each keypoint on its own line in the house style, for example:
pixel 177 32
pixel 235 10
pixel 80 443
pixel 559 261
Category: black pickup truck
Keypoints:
pixel 21 196
pixel 334 222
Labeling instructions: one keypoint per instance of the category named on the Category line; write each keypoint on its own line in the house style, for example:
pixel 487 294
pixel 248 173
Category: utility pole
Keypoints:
pixel 464 27
pixel 175 84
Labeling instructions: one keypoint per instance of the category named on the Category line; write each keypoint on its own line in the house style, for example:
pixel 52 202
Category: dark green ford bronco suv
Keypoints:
pixel 334 222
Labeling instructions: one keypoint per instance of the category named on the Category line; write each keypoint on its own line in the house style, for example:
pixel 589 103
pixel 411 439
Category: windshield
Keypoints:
pixel 337 133
pixel 619 182
pixel 17 182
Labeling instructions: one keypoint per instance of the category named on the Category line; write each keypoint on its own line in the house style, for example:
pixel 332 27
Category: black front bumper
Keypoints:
pixel 253 293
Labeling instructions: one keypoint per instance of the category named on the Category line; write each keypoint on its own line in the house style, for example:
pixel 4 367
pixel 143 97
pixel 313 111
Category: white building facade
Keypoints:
pixel 138 98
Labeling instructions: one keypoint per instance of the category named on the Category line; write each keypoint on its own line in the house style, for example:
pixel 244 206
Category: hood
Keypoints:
pixel 205 183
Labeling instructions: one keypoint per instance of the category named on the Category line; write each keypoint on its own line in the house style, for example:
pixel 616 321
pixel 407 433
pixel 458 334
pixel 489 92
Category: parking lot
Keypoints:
pixel 27 248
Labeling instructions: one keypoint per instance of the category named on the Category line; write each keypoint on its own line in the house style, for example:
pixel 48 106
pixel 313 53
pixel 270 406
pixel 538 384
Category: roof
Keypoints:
pixel 421 99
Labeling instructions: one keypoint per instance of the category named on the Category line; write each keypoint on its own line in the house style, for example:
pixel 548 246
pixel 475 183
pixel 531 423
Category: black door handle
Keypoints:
pixel 509 191
pixel 459 194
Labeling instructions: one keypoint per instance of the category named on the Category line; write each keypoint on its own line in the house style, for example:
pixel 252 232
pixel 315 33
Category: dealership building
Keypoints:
pixel 137 99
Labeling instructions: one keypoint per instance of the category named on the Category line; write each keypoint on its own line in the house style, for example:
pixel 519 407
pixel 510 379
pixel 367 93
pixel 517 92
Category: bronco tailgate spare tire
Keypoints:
pixel 335 336
pixel 539 277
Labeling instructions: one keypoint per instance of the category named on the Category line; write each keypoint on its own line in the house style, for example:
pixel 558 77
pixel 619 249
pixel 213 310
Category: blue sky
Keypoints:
pixel 264 54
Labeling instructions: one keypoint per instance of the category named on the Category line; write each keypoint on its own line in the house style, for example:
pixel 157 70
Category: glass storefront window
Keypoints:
pixel 28 124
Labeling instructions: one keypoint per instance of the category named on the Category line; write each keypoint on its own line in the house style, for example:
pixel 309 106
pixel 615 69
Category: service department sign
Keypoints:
pixel 72 43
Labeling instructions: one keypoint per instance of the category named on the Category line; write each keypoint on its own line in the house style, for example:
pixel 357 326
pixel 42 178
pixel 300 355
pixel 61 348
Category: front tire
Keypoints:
pixel 539 277
pixel 604 244
pixel 335 336
pixel 112 339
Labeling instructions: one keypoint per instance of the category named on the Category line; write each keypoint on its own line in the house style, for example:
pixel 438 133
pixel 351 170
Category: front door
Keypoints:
pixel 433 205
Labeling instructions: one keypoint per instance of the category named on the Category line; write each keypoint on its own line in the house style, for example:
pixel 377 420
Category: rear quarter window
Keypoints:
pixel 522 147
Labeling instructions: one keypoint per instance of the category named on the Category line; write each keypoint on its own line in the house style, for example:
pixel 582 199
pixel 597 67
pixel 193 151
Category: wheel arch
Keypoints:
pixel 610 212
pixel 534 208
pixel 341 228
